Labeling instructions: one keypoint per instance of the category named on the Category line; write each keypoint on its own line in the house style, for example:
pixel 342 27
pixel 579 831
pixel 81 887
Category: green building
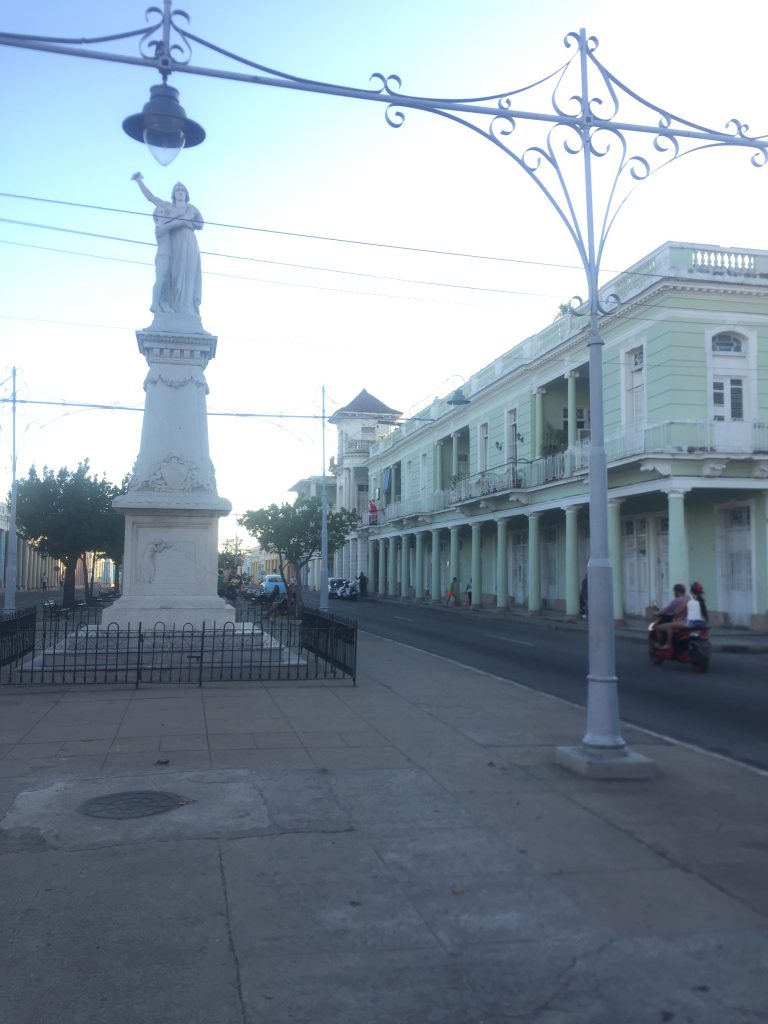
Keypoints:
pixel 495 491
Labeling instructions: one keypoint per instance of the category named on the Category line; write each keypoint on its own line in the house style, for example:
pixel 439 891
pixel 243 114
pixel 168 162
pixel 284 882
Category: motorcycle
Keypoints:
pixel 688 644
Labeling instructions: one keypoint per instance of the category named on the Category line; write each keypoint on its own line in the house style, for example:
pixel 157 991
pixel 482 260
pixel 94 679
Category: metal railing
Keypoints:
pixel 72 648
pixel 672 437
pixel 17 634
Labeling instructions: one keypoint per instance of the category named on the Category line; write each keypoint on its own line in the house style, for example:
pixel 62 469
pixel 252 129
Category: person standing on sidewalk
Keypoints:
pixel 468 592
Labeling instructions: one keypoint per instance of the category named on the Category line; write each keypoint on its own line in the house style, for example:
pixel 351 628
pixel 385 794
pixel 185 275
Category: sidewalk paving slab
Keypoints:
pixel 402 852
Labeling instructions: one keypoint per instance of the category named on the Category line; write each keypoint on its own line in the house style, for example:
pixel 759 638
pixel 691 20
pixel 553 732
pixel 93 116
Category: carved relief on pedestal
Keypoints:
pixel 148 564
pixel 157 376
pixel 175 473
pixel 164 562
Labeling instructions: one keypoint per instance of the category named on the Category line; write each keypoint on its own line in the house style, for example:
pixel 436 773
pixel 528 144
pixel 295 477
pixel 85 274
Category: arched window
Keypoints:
pixel 728 342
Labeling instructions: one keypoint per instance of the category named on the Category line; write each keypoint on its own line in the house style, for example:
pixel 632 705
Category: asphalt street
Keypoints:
pixel 724 710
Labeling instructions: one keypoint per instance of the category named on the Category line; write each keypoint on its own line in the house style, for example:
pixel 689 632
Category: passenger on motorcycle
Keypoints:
pixel 696 610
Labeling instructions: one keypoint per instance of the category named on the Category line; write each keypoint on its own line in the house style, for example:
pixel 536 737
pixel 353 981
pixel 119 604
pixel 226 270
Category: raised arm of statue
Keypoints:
pixel 138 177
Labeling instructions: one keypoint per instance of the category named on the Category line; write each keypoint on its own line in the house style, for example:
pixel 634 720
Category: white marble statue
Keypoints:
pixel 178 278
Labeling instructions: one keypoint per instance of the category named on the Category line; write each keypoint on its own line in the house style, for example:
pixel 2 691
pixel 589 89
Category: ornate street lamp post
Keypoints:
pixel 564 131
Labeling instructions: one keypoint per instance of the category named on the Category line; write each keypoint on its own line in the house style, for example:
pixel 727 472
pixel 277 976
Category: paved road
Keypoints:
pixel 725 710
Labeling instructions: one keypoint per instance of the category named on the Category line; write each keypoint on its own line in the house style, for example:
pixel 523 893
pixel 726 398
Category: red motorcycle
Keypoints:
pixel 689 643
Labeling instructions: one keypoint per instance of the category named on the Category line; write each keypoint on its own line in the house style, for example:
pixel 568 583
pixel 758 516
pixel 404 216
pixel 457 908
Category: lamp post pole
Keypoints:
pixel 10 563
pixel 583 119
pixel 324 526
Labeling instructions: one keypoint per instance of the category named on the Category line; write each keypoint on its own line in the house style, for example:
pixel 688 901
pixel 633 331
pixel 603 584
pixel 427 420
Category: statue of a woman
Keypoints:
pixel 178 278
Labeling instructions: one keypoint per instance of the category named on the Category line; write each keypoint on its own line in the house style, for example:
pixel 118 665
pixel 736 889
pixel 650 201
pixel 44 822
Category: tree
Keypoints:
pixel 293 532
pixel 229 556
pixel 65 514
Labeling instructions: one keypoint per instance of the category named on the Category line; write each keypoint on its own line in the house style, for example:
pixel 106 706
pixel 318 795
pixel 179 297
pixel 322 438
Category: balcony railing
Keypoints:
pixel 357 447
pixel 672 438
pixel 675 437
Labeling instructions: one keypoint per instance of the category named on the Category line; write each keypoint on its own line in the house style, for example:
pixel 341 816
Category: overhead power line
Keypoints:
pixel 311 237
pixel 273 263
pixel 61 403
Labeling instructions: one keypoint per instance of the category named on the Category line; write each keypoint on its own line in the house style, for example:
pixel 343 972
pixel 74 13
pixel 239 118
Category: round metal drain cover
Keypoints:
pixel 138 804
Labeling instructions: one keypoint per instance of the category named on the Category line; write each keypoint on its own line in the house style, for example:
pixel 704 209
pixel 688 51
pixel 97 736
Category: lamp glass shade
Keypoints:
pixel 164 146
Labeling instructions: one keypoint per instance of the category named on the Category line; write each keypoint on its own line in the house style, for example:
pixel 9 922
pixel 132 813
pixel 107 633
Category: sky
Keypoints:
pixel 338 252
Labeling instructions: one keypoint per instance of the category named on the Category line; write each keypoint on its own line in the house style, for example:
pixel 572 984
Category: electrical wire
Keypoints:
pixel 274 263
pixel 310 237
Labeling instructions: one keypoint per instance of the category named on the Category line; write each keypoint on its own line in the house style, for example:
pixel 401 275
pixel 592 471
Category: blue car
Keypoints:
pixel 270 582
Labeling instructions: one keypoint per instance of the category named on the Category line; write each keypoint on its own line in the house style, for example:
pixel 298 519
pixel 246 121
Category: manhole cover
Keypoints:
pixel 138 804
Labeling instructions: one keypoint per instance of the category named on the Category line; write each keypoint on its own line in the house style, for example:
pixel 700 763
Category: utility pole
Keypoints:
pixel 10 564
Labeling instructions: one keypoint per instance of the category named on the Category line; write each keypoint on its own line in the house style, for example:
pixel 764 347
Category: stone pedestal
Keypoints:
pixel 172 508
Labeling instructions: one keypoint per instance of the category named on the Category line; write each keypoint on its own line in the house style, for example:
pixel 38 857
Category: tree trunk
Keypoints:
pixel 88 593
pixel 70 565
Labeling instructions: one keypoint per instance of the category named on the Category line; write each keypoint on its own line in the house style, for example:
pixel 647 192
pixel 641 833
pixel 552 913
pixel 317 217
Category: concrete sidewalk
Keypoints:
pixel 403 852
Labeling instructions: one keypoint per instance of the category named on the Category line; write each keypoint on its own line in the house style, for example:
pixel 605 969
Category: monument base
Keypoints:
pixel 171 612
pixel 170 567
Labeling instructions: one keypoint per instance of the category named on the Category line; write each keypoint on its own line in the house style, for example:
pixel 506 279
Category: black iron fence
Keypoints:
pixel 17 634
pixel 71 647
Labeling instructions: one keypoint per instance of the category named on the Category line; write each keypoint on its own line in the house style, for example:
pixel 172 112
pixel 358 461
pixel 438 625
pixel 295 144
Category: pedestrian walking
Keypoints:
pixel 453 590
pixel 468 592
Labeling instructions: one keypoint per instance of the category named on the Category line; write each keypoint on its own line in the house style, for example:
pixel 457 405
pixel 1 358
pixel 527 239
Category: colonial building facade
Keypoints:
pixel 31 567
pixel 495 491
pixel 360 425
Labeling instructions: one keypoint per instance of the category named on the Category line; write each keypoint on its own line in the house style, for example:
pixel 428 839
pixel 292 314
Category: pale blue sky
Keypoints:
pixel 316 165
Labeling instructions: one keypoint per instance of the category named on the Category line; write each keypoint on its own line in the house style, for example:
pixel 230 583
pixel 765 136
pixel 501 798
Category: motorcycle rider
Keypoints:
pixel 677 609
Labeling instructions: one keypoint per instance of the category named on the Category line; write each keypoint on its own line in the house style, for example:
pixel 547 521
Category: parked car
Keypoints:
pixel 267 589
pixel 270 582
pixel 335 583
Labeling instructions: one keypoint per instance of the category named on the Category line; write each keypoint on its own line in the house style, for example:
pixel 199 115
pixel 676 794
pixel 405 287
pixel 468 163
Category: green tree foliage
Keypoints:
pixel 65 513
pixel 230 555
pixel 293 532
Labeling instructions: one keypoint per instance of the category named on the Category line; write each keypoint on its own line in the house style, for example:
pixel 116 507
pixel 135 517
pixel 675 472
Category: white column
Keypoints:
pixel 435 562
pixel 381 579
pixel 534 563
pixel 678 538
pixel 572 561
pixel 538 403
pixel 438 456
pixel 418 576
pixel 502 582
pixel 392 567
pixel 454 555
pixel 572 378
pixel 405 566
pixel 476 566
pixel 615 555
